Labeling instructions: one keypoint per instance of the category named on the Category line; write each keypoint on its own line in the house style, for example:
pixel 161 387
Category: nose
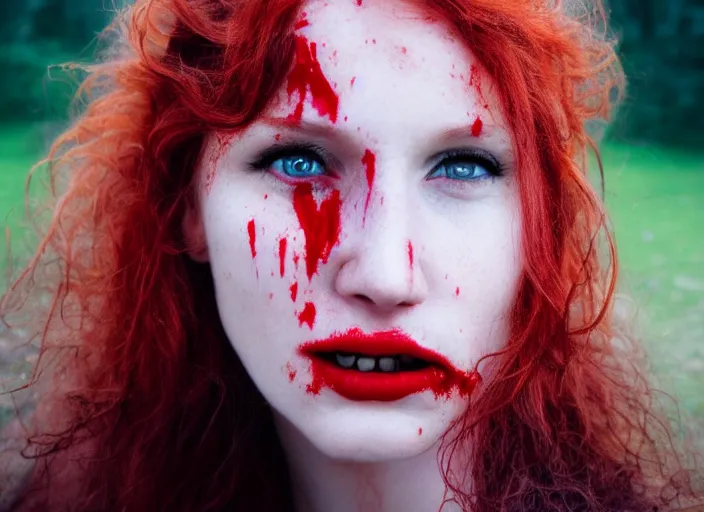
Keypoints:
pixel 381 262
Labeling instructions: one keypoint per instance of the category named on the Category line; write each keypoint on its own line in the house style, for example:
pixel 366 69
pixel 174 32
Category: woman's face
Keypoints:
pixel 364 233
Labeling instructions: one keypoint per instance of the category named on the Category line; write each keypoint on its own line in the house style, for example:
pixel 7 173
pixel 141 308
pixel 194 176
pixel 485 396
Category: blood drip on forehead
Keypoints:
pixel 306 76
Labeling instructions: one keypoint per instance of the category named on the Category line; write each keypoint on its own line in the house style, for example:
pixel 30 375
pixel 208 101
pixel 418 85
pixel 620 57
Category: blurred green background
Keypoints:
pixel 653 155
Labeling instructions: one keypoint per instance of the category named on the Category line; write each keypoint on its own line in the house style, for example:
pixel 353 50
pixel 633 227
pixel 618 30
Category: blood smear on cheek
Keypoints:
pixel 291 372
pixel 282 256
pixel 320 224
pixel 307 316
pixel 251 230
pixel 420 431
pixel 457 291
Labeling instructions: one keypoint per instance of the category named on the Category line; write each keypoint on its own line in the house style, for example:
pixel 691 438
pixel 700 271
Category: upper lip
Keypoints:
pixel 377 344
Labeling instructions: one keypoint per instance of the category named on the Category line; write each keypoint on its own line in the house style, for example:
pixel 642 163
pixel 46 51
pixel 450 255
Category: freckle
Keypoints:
pixel 359 129
pixel 446 277
pixel 420 431
pixel 404 50
pixel 366 41
pixel 334 54
pixel 382 200
pixel 452 75
pixel 352 81
pixel 271 296
pixel 453 66
pixel 324 45
pixel 345 118
pixel 373 41
pixel 359 3
pixel 457 291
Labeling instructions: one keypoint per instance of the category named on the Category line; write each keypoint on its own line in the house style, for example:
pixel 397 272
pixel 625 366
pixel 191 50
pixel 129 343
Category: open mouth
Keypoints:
pixel 366 363
pixel 381 366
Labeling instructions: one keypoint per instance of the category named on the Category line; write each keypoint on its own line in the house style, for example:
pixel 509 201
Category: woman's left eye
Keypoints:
pixel 298 166
pixel 469 167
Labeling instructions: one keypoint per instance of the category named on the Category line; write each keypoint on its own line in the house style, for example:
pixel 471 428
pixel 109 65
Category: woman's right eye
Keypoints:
pixel 298 166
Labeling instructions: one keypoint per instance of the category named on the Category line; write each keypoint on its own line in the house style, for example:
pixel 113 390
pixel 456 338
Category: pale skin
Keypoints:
pixel 404 92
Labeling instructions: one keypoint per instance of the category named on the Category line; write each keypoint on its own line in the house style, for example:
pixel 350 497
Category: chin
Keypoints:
pixel 373 431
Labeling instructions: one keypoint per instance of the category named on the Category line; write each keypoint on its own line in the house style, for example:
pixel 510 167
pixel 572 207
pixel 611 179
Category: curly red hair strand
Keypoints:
pixel 151 409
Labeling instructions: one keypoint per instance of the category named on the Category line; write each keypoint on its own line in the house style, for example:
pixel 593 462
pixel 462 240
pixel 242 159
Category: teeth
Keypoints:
pixel 365 364
pixel 345 361
pixel 387 364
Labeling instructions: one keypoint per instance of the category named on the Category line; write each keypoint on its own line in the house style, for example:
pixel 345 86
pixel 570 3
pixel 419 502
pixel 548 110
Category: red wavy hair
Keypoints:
pixel 149 406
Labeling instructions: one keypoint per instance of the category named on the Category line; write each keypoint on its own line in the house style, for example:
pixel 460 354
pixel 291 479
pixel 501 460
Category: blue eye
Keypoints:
pixel 294 160
pixel 298 166
pixel 467 166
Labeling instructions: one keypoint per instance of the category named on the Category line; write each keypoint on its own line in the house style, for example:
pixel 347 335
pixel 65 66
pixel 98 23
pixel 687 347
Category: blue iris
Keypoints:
pixel 298 166
pixel 461 170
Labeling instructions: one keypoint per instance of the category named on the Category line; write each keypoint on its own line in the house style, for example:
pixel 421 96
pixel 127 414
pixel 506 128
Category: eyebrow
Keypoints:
pixel 460 133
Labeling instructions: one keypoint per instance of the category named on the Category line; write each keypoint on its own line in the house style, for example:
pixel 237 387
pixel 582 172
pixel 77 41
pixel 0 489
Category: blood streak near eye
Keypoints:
pixel 320 224
pixel 252 232
pixel 307 75
pixel 369 161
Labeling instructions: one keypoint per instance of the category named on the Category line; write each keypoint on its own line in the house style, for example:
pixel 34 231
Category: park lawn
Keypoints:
pixel 656 200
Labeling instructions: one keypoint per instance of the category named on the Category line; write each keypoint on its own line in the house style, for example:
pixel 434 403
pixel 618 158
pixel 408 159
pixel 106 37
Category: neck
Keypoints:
pixel 321 484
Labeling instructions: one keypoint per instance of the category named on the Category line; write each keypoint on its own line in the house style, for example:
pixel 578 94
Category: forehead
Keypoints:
pixel 385 55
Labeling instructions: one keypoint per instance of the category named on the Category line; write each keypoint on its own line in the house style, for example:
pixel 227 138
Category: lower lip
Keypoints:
pixel 387 387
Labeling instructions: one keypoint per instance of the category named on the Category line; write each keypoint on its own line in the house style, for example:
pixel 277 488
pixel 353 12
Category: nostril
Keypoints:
pixel 363 298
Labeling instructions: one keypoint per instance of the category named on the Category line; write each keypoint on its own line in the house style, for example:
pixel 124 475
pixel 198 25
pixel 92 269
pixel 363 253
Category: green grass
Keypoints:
pixel 656 200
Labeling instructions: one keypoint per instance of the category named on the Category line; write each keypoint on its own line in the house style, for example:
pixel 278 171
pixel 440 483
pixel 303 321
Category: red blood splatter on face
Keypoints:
pixel 266 196
pixel 457 291
pixel 307 316
pixel 307 75
pixel 282 256
pixel 277 137
pixel 359 2
pixel 294 291
pixel 352 80
pixel 410 254
pixel 251 231
pixel 291 372
pixel 420 431
pixel 295 258
pixel 300 24
pixel 477 127
pixel 404 50
pixel 475 81
pixel 369 162
pixel 320 224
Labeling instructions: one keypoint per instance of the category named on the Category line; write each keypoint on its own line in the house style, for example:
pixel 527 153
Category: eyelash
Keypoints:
pixel 453 156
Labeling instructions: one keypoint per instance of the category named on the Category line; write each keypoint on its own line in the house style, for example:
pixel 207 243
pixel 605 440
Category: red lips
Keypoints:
pixel 422 369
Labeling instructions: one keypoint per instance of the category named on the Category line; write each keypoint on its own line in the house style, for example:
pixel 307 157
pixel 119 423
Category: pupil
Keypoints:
pixel 301 166
pixel 463 171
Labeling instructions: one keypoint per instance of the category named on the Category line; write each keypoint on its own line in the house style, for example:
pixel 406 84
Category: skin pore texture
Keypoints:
pixel 392 206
